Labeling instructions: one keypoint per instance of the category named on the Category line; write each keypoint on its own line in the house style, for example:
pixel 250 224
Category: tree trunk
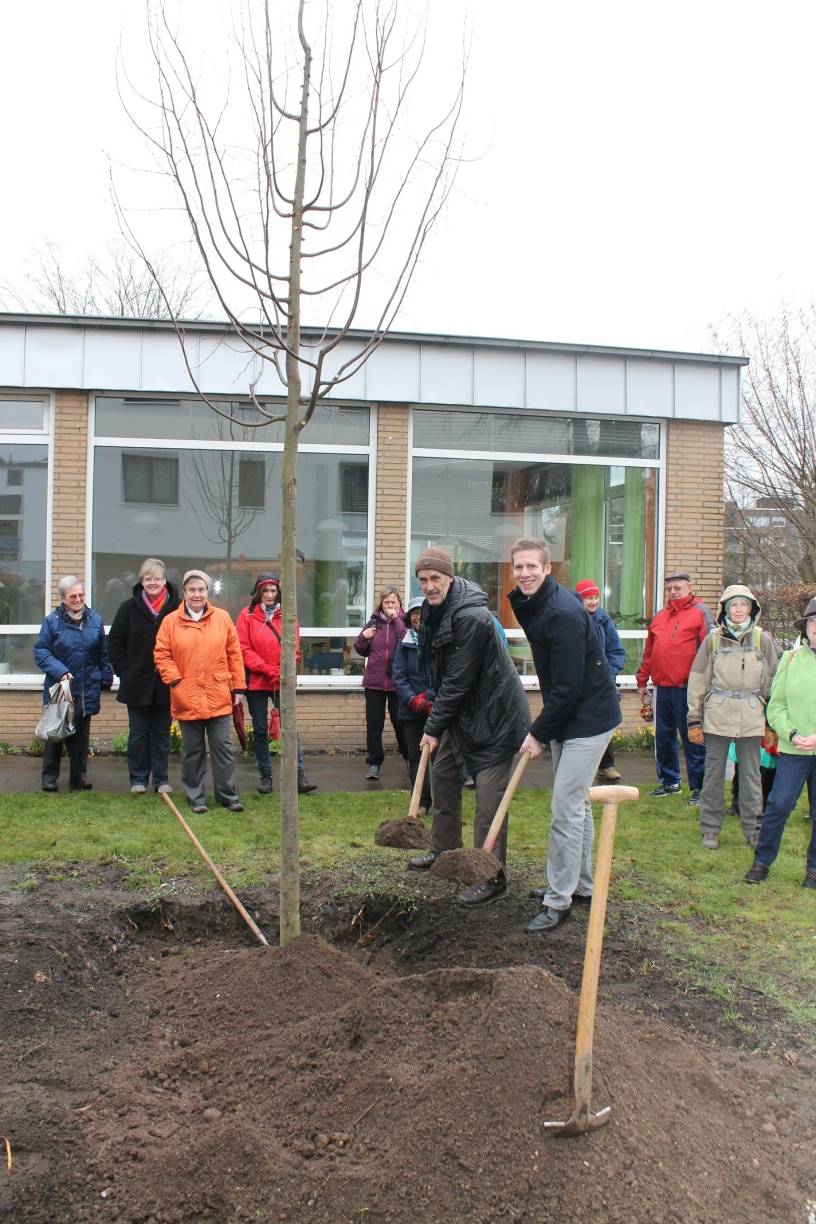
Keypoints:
pixel 290 832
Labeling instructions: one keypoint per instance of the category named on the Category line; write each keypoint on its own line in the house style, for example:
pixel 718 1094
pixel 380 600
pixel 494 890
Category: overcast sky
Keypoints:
pixel 645 169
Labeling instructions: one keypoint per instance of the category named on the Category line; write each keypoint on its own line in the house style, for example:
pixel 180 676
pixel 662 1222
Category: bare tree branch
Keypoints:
pixel 310 174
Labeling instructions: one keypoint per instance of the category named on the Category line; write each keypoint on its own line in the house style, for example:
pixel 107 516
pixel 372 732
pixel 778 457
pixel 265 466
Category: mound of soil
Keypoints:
pixel 403 834
pixel 466 866
pixel 282 1085
pixel 157 1067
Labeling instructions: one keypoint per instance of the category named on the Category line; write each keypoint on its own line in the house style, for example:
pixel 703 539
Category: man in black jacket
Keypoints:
pixel 479 715
pixel 581 709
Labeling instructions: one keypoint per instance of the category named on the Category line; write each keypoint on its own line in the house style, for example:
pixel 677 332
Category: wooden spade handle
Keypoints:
pixel 501 811
pixel 416 793
pixel 253 926
pixel 610 796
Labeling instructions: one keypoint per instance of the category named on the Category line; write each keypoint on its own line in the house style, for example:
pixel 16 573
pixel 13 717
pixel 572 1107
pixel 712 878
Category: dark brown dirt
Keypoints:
pixel 157 1068
pixel 466 866
pixel 403 834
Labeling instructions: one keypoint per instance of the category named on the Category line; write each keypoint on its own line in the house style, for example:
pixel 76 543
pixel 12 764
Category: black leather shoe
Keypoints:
pixel 664 789
pixel 547 920
pixel 305 784
pixel 423 861
pixel 577 898
pixel 83 785
pixel 49 786
pixel 756 874
pixel 484 894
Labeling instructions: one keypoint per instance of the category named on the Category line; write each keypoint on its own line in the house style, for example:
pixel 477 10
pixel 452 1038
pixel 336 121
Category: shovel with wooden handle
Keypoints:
pixel 582 1119
pixel 416 793
pixel 253 926
pixel 501 811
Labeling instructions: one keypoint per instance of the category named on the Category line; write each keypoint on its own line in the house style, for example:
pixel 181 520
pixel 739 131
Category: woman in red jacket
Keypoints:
pixel 259 632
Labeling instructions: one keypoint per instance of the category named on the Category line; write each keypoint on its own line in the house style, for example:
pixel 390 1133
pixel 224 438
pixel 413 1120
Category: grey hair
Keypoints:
pixel 152 565
pixel 64 585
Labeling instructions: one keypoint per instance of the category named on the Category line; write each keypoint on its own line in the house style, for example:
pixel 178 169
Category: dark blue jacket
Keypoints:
pixel 612 645
pixel 577 687
pixel 409 681
pixel 77 647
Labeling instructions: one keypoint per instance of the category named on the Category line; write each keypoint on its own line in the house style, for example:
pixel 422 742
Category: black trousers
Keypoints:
pixel 376 703
pixel 76 746
pixel 412 729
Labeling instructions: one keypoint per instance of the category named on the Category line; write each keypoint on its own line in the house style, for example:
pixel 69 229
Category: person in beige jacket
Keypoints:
pixel 728 689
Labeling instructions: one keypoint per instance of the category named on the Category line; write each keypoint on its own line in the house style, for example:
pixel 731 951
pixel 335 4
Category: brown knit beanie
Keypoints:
pixel 434 559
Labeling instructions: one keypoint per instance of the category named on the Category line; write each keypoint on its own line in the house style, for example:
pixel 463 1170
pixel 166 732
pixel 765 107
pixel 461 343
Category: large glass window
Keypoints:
pixel 23 511
pixel 598 517
pixel 594 527
pixel 23 528
pixel 218 507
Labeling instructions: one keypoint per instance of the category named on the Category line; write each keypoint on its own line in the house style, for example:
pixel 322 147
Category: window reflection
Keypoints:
pixel 23 510
pixel 597 520
pixel 221 511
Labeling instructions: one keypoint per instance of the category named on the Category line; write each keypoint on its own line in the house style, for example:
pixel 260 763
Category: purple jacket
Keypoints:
pixel 379 650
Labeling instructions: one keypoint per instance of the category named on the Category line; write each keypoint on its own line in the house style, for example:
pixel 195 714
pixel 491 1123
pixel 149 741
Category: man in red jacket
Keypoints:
pixel 671 645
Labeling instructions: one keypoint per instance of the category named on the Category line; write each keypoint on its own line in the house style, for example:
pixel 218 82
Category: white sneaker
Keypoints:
pixel 164 788
pixel 137 789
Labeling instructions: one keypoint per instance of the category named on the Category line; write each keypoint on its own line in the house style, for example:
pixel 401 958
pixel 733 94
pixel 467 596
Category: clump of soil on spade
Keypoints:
pixel 466 866
pixel 295 1084
pixel 404 834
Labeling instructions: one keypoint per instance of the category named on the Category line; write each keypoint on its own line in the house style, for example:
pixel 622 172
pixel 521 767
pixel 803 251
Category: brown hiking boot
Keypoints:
pixel 756 874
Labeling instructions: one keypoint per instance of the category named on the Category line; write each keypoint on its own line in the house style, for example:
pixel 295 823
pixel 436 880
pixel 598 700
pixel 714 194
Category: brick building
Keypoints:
pixel 107 455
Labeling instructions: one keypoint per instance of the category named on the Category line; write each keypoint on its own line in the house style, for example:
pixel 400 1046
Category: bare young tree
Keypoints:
pixel 770 457
pixel 118 284
pixel 309 186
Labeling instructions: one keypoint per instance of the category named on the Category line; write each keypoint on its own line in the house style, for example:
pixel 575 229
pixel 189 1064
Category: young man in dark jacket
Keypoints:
pixel 581 710
pixel 479 714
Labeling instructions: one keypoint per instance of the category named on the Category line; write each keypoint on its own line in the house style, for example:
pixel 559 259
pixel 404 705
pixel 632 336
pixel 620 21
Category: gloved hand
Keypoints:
pixel 696 735
pixel 420 706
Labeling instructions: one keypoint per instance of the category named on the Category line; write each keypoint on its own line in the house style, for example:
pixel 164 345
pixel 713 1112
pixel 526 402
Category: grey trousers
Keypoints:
pixel 569 855
pixel 712 803
pixel 491 783
pixel 194 758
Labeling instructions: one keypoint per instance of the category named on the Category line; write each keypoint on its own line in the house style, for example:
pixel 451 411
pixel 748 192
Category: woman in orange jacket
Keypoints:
pixel 198 656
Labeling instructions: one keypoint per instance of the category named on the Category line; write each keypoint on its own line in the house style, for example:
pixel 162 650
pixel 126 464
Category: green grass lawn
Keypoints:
pixel 718 933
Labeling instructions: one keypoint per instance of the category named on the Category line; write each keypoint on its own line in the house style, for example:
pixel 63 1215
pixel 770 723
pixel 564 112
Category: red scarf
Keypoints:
pixel 158 603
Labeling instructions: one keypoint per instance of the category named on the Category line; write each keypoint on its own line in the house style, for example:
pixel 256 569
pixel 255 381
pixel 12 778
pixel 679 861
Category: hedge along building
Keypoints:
pixel 107 455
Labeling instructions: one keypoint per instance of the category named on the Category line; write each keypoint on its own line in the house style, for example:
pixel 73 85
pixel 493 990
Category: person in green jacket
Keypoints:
pixel 792 714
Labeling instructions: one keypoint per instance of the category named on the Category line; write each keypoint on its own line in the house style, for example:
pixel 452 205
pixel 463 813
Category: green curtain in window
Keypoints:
pixel 586 523
pixel 634 548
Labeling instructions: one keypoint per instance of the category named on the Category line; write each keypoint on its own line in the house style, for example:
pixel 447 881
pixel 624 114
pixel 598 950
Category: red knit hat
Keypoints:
pixel 586 587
